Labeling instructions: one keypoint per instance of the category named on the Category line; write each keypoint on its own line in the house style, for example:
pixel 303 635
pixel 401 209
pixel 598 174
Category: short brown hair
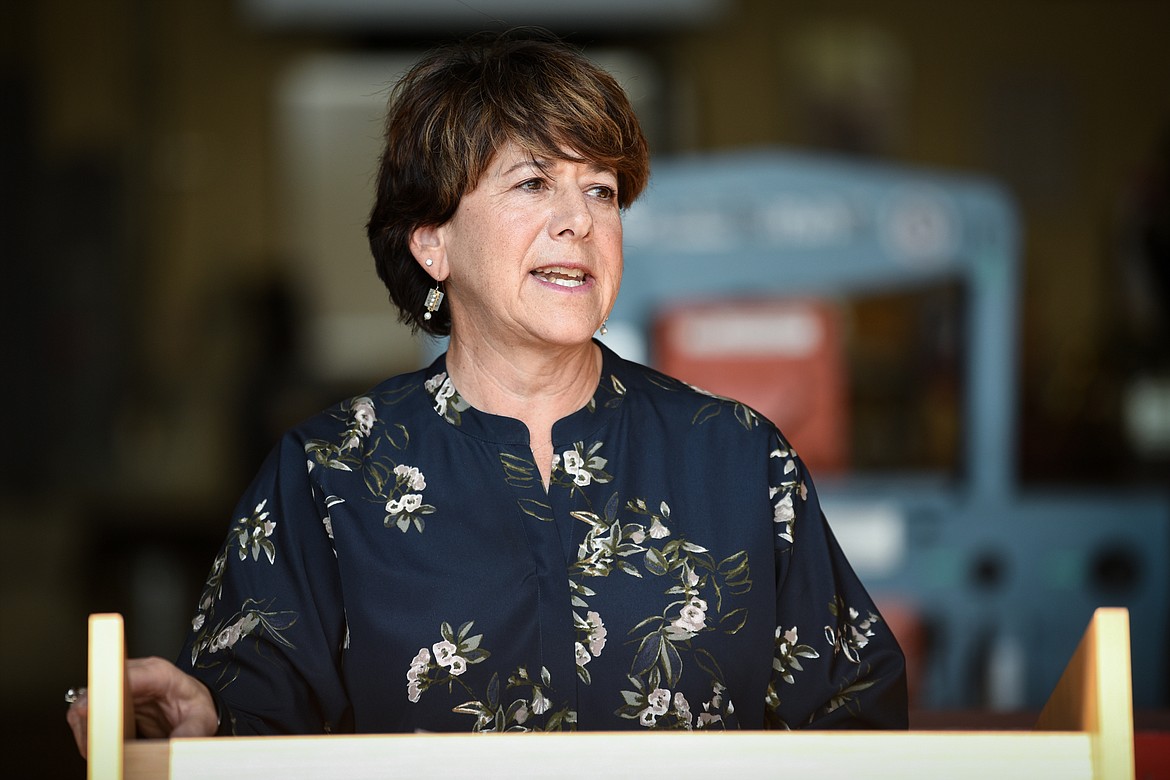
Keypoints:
pixel 461 104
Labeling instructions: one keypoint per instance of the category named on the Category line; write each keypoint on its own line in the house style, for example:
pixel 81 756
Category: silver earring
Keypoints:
pixel 429 262
pixel 603 329
pixel 434 298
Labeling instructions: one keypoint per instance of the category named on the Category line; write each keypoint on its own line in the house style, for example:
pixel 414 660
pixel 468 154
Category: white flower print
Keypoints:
pixel 692 617
pixel 573 462
pixel 683 708
pixel 659 701
pixel 656 704
pixel 574 466
pixel 788 653
pixel 448 404
pixel 582 466
pixel 253 532
pixel 445 391
pixel 698 602
pixel 597 633
pixel 362 411
pixel 422 658
pixel 852 637
pixel 253 618
pixel 444 652
pixel 784 513
pixel 591 635
pixel 452 655
pixel 713 710
pixel 495 713
pixel 363 414
pixel 327 520
pixel 596 553
pixel 434 382
pixel 657 529
pixel 410 476
pixel 227 638
pixel 784 510
pixel 418 667
pixel 404 505
pixel 407 504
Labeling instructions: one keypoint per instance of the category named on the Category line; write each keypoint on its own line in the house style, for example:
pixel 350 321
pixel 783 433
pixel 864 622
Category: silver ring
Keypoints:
pixel 75 694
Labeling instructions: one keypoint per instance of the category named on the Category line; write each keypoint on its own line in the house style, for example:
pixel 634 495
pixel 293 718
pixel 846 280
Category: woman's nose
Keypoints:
pixel 571 216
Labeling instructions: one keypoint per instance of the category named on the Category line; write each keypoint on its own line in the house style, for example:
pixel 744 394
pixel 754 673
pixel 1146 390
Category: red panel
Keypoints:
pixel 783 358
pixel 1152 755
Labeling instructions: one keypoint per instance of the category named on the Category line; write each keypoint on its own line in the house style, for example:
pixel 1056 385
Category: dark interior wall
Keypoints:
pixel 1064 102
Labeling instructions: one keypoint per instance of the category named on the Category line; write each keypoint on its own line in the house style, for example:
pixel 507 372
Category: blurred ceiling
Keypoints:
pixel 453 15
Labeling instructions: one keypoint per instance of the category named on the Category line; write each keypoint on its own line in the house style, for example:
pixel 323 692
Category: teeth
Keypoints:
pixel 565 277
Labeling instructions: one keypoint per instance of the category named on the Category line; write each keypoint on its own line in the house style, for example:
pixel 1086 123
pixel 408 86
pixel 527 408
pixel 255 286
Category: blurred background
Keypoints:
pixel 951 219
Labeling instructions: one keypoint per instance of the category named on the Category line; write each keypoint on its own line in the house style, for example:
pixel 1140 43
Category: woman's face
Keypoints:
pixel 533 255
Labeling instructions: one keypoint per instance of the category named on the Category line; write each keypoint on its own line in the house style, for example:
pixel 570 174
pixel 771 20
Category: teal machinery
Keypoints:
pixel 1002 579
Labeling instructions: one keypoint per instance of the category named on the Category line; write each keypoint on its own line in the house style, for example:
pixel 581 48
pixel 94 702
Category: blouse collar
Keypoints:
pixel 577 427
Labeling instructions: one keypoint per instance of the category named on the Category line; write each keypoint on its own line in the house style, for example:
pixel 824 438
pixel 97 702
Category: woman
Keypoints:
pixel 531 533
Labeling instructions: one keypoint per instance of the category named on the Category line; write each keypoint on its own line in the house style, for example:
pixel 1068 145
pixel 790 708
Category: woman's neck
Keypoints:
pixel 536 386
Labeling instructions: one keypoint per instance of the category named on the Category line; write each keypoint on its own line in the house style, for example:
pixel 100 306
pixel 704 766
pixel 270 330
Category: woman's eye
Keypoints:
pixel 604 192
pixel 532 184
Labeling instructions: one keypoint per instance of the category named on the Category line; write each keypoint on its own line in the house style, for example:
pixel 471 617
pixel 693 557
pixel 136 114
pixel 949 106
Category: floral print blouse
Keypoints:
pixel 398 566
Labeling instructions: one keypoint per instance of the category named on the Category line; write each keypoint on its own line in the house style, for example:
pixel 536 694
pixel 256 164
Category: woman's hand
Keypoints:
pixel 167 703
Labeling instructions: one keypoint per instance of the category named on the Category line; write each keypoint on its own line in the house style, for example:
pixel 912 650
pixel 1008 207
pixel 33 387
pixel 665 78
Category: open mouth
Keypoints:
pixel 564 277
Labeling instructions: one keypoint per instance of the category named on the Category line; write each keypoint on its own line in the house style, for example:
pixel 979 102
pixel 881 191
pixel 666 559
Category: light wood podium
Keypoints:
pixel 1085 731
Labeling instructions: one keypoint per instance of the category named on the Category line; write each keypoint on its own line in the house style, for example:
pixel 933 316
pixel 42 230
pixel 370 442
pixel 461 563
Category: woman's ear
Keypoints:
pixel 426 244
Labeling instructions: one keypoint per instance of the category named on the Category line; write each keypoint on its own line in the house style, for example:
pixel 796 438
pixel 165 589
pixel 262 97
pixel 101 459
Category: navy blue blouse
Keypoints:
pixel 398 566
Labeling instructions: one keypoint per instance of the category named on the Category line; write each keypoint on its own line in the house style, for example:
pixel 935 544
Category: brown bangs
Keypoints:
pixel 552 107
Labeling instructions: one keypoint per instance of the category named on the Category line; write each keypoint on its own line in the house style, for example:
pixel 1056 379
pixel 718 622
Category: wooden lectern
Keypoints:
pixel 1085 731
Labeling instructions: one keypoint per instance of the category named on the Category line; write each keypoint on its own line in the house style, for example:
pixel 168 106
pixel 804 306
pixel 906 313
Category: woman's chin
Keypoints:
pixel 565 334
pixel 558 326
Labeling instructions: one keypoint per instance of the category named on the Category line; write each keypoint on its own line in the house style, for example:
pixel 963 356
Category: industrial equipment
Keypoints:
pixel 992 581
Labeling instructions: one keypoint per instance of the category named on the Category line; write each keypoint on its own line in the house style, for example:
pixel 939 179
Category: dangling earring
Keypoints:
pixel 434 298
pixel 603 330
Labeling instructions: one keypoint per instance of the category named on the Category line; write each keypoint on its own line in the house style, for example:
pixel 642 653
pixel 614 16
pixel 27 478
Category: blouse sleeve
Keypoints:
pixel 835 664
pixel 269 628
